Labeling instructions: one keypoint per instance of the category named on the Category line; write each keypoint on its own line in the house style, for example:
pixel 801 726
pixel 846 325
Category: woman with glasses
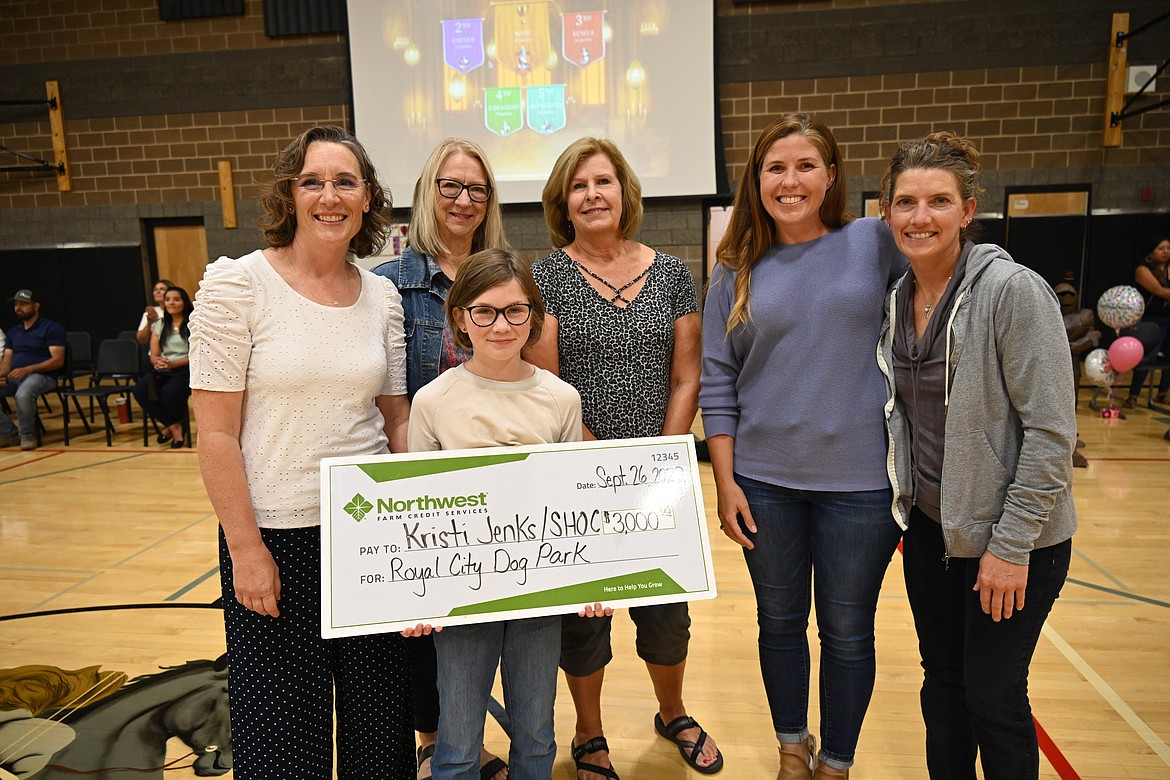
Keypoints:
pixel 622 328
pixel 455 213
pixel 297 354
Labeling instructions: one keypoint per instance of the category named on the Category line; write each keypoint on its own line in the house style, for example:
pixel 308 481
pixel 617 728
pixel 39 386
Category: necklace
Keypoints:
pixel 617 291
pixel 928 308
pixel 331 302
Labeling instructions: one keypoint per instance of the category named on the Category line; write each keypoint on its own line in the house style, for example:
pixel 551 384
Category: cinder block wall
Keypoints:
pixel 151 107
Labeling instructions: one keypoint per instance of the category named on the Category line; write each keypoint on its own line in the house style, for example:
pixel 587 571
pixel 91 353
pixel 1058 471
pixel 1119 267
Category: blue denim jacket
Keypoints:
pixel 424 292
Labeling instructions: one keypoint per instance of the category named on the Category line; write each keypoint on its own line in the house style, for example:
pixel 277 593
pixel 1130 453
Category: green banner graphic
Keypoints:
pixel 654 582
pixel 406 469
pixel 503 112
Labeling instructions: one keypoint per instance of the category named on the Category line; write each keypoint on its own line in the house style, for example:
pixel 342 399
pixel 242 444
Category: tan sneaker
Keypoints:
pixel 28 444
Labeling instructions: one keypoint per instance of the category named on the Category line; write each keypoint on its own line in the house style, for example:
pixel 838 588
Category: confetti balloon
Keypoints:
pixel 1098 370
pixel 1121 306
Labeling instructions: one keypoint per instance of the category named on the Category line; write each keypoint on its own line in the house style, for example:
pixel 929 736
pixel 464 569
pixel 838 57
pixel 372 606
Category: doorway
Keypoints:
pixel 175 249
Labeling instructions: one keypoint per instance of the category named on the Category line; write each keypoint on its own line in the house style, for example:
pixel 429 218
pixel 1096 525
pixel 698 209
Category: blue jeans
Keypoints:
pixel 975 682
pixel 26 391
pixel 847 539
pixel 527 651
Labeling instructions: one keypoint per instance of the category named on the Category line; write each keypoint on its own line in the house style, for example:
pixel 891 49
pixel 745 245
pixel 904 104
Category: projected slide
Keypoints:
pixel 526 78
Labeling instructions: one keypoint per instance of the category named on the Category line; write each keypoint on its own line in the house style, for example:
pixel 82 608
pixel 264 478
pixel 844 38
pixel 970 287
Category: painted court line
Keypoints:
pixel 1100 569
pixel 34 460
pixel 1129 460
pixel 1125 594
pixel 130 557
pixel 1111 696
pixel 1064 769
pixel 192 585
pixel 72 468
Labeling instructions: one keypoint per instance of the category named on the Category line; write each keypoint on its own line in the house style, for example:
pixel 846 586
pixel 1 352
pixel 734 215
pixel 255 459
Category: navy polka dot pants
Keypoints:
pixel 283 681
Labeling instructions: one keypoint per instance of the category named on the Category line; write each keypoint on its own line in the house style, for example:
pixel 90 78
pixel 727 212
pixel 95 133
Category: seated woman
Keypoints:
pixel 153 311
pixel 163 392
pixel 1153 277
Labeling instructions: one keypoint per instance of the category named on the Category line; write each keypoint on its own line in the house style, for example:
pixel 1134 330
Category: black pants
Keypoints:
pixel 424 671
pixel 663 635
pixel 975 687
pixel 164 394
pixel 283 678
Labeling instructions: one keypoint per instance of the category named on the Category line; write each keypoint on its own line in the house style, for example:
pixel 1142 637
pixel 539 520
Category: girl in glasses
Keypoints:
pixel 453 215
pixel 496 399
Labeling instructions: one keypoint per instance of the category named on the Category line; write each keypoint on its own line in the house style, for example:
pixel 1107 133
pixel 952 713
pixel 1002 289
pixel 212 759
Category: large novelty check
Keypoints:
pixel 469 536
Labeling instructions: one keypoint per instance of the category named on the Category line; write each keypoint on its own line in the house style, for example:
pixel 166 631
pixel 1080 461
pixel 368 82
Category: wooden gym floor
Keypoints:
pixel 130 531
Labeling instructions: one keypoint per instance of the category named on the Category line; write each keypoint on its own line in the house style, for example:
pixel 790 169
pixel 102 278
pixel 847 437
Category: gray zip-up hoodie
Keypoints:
pixel 1011 418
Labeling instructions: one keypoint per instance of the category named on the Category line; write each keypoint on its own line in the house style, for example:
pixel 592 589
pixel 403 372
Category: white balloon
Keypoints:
pixel 1121 306
pixel 1098 370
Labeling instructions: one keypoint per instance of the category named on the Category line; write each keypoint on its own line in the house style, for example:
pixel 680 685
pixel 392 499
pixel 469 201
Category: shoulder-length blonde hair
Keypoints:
pixel 278 223
pixel 423 232
pixel 555 197
pixel 751 230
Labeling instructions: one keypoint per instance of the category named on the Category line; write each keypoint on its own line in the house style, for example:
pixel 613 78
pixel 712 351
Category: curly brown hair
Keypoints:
pixel 279 221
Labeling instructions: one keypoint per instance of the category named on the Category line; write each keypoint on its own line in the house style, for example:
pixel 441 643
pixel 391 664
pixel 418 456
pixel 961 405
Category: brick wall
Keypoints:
pixel 163 158
pixel 1032 125
pixel 150 107
pixel 39 32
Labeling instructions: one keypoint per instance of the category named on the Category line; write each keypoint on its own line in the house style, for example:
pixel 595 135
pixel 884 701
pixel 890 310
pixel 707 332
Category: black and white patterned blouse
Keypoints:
pixel 617 358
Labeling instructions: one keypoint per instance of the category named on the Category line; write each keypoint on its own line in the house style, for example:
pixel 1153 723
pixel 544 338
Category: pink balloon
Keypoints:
pixel 1125 353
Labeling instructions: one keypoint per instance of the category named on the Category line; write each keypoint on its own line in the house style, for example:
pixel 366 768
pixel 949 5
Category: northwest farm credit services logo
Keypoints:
pixel 358 507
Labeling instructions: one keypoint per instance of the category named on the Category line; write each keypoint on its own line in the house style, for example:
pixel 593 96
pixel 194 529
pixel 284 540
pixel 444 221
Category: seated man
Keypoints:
pixel 1081 326
pixel 35 349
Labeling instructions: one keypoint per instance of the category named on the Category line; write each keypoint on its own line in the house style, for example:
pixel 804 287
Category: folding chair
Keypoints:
pixel 80 355
pixel 65 379
pixel 117 363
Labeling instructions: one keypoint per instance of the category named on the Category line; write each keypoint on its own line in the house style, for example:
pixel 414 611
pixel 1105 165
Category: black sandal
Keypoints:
pixel 595 745
pixel 489 770
pixel 690 751
pixel 423 754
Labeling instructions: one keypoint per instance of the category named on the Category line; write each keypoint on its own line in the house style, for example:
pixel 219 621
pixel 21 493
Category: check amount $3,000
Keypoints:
pixel 576 526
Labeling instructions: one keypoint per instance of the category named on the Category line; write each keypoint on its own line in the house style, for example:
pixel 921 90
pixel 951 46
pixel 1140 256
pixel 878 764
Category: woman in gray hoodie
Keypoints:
pixel 982 430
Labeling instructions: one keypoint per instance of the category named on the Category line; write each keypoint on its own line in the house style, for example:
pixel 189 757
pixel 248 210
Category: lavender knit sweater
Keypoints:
pixel 799 387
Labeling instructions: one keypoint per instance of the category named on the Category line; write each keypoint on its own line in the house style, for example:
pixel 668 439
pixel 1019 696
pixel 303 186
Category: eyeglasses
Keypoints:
pixel 452 189
pixel 345 185
pixel 486 316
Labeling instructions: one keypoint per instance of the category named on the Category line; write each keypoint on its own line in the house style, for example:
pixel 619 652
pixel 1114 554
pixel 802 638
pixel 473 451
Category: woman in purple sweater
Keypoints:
pixel 792 404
